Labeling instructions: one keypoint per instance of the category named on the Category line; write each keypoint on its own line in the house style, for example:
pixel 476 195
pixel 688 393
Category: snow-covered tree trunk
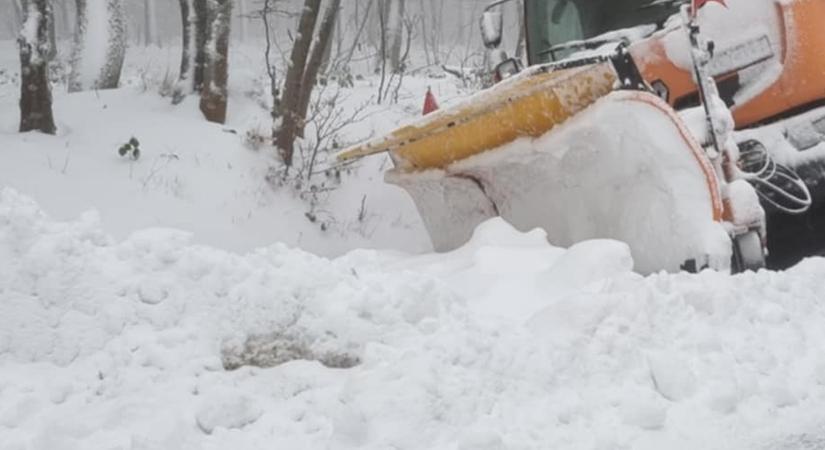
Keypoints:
pixel 185 82
pixel 150 33
pixel 285 135
pixel 116 52
pixel 35 91
pixel 52 35
pixel 215 92
pixel 203 32
pixel 100 45
pixel 395 33
pixel 320 49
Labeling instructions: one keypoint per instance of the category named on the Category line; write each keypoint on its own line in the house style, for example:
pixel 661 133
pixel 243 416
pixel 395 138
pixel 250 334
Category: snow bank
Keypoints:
pixel 109 344
pixel 73 290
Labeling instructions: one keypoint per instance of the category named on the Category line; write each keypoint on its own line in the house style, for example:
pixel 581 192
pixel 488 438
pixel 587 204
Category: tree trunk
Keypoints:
pixel 335 40
pixel 215 93
pixel 355 40
pixel 185 83
pixel 274 88
pixel 149 25
pixel 203 34
pixel 395 34
pixel 285 136
pixel 95 66
pixel 116 52
pixel 316 59
pixel 52 35
pixel 35 92
pixel 76 61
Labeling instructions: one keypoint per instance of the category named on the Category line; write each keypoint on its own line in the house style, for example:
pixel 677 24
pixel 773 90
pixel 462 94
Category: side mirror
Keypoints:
pixel 492 28
pixel 506 69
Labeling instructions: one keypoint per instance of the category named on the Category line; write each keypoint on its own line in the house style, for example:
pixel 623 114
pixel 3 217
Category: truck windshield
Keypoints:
pixel 554 22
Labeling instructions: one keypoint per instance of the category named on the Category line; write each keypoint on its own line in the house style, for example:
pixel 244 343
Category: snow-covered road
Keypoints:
pixel 507 343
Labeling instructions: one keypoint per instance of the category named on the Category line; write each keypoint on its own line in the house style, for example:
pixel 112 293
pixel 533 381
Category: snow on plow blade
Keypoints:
pixel 624 168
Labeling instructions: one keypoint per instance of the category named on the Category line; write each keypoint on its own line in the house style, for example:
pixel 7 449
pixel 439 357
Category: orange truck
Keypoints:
pixel 695 136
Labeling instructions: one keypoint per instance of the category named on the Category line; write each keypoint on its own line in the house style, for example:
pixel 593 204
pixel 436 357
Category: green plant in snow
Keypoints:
pixel 130 149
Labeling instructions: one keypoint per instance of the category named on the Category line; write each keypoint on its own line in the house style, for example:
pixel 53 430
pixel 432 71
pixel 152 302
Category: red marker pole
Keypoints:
pixel 695 5
pixel 430 104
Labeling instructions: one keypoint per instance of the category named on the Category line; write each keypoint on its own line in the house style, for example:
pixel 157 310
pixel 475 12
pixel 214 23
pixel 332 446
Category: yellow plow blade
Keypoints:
pixel 529 105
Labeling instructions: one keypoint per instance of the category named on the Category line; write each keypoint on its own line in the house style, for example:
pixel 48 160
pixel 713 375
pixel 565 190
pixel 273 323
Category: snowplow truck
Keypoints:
pixel 696 136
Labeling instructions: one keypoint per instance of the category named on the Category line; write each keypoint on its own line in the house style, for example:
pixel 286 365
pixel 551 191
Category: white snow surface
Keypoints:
pixel 507 343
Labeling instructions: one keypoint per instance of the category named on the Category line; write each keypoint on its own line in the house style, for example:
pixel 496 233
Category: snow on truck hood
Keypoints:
pixel 506 343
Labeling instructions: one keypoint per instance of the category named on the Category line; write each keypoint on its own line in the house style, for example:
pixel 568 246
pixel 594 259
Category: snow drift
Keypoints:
pixel 507 342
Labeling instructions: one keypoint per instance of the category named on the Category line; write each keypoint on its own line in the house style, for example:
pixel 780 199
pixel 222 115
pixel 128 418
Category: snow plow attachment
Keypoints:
pixel 583 152
pixel 529 105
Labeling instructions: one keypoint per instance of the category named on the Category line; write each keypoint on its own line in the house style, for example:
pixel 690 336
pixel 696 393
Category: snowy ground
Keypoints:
pixel 192 171
pixel 116 333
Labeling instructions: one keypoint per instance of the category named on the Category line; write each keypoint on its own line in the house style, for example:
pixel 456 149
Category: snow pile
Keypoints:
pixel 137 325
pixel 505 343
pixel 72 290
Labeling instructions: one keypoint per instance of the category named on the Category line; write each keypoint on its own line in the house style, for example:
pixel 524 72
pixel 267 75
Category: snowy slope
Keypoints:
pixel 203 177
pixel 505 343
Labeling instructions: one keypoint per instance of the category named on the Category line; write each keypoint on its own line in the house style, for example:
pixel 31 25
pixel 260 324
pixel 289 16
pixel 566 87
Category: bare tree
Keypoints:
pixel 395 33
pixel 150 33
pixel 320 51
pixel 35 92
pixel 185 84
pixel 91 70
pixel 357 38
pixel 195 35
pixel 116 50
pixel 214 92
pixel 290 105
pixel 435 34
pixel 274 89
pixel 202 35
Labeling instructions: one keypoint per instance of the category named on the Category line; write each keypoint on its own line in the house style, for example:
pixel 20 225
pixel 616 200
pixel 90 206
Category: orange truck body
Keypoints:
pixel 801 83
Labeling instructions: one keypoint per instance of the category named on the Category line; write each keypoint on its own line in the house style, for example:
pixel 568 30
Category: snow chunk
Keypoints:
pixel 227 410
pixel 671 376
pixel 645 412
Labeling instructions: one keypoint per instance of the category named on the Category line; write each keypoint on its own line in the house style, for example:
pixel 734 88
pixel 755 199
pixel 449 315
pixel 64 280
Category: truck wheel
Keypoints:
pixel 748 253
